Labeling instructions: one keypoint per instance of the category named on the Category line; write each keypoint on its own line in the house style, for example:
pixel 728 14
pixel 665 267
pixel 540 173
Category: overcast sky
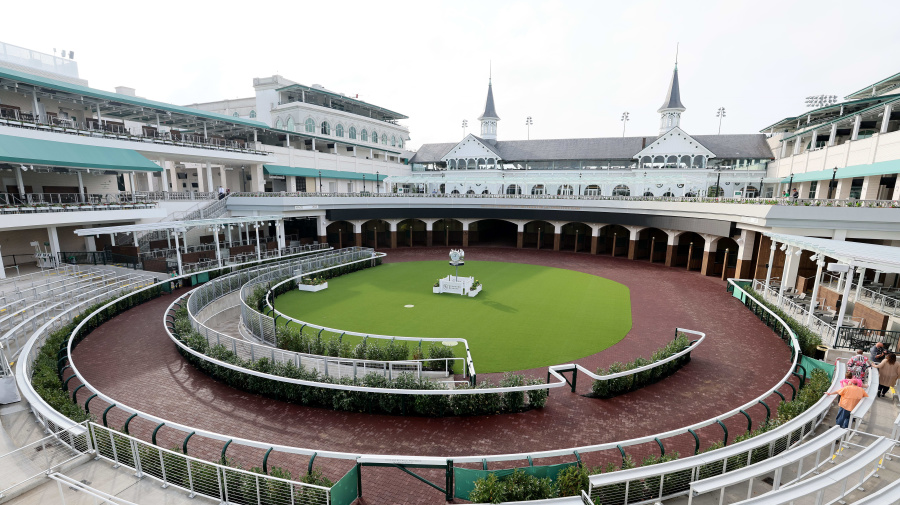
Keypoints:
pixel 574 66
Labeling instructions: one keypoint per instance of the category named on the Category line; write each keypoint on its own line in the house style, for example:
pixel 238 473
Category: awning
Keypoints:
pixel 879 168
pixel 325 174
pixel 27 151
pixel 877 257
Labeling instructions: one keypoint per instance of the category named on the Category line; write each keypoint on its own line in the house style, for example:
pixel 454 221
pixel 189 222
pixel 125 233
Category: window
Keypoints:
pixel 364 135
pixel 310 126
pixel 252 114
pixel 537 189
pixel 236 114
pixel 812 189
pixel 592 190
pixel 513 189
pixel 289 126
pixel 353 132
pixel 339 130
pixel 393 141
pixel 621 190
pixel 400 142
pixel 349 187
pixel 374 136
pixel 278 124
pixel 384 138
pixel 332 187
pixel 326 128
pixel 565 189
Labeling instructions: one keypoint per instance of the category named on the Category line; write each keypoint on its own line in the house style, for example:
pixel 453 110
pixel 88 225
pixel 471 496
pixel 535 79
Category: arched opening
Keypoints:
pixel 447 232
pixel 538 189
pixel 689 252
pixel 470 192
pixel 538 235
pixel 454 192
pixel 493 232
pixel 576 237
pixel 668 194
pixel 592 190
pixel 714 191
pixel 513 189
pixel 340 234
pixel 621 190
pixel 565 190
pixel 751 192
pixel 486 192
pixel 648 193
pixel 725 258
pixel 651 245
pixel 376 234
pixel 613 240
pixel 411 232
pixel 443 189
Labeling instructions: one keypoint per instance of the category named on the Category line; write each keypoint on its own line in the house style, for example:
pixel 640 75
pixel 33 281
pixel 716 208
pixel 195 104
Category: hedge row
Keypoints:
pixel 805 337
pixel 353 401
pixel 621 385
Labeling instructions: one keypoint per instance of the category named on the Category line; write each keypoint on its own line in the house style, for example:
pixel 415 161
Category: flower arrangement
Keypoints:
pixel 313 281
pixel 437 283
pixel 476 284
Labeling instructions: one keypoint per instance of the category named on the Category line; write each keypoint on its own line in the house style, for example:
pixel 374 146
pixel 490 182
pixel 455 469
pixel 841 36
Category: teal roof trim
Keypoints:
pixel 879 168
pixel 843 118
pixel 45 82
pixel 870 86
pixel 326 174
pixel 26 151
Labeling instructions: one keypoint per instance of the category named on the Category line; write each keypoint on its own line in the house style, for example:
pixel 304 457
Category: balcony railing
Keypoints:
pixel 21 119
pixel 677 199
pixel 34 203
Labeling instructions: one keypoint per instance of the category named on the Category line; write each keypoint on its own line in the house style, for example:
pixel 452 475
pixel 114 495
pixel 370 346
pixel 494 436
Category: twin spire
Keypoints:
pixel 489 117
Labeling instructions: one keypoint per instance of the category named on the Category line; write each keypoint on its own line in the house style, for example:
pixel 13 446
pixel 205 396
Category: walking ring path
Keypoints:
pixel 131 359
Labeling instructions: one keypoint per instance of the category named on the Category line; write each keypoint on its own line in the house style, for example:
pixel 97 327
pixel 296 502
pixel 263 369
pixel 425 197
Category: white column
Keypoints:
pixel 184 236
pixel 887 117
pixel 797 141
pixel 112 239
pixel 134 235
pixel 815 291
pixel 37 106
pixel 54 242
pixel 258 250
pixel 771 260
pixel 279 235
pixel 292 183
pixel 21 183
pixel 783 151
pixel 789 275
pixel 218 250
pixel 833 135
pixel 846 300
pixel 222 179
pixel 209 177
pixel 815 138
pixel 856 122
pixel 859 284
pixel 201 185
pixel 2 268
pixel 178 253
pixel 150 182
pixel 90 243
pixel 80 186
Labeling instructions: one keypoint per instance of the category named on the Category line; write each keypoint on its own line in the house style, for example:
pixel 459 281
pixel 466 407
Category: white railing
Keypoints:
pixel 32 280
pixel 199 477
pixel 817 324
pixel 72 488
pixel 26 466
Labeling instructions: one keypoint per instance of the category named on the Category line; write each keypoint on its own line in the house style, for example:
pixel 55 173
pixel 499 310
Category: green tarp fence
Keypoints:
pixel 810 364
pixel 345 491
pixel 739 293
pixel 465 478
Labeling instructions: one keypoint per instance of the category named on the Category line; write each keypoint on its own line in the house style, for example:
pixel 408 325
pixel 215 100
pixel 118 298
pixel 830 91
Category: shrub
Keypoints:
pixel 438 351
pixel 517 486
pixel 807 340
pixel 620 385
pixel 572 481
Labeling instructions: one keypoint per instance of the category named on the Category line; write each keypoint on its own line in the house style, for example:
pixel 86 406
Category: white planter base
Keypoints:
pixel 457 286
pixel 473 293
pixel 311 288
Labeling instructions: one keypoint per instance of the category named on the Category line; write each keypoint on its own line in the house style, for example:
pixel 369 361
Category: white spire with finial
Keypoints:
pixel 670 112
pixel 489 117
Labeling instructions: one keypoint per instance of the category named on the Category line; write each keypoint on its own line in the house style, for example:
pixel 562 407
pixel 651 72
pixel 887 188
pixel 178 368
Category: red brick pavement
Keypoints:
pixel 131 359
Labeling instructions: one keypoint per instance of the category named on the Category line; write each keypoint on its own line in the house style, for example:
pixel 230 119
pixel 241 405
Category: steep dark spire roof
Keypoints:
pixel 489 111
pixel 673 97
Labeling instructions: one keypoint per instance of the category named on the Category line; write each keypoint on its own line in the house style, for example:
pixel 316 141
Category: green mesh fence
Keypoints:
pixel 810 364
pixel 345 491
pixel 465 479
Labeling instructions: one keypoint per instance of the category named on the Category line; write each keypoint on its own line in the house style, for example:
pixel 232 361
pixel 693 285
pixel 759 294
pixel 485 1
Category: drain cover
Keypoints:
pixel 409 306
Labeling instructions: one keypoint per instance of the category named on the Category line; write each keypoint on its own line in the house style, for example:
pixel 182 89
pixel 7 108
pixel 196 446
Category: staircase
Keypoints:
pixel 204 210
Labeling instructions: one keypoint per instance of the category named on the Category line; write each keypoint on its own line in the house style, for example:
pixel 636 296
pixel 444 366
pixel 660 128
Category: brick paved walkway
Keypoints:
pixel 131 359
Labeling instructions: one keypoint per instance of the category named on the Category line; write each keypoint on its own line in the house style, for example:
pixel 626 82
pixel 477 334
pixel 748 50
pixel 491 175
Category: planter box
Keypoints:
pixel 435 290
pixel 312 289
pixel 473 293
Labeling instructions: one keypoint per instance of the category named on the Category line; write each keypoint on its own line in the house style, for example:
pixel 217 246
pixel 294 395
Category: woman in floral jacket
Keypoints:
pixel 859 366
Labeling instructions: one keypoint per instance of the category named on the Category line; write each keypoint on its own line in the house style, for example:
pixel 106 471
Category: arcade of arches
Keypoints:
pixel 738 256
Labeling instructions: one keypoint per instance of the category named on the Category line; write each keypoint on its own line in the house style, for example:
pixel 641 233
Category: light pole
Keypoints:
pixel 320 181
pixel 624 122
pixel 831 186
pixel 759 193
pixel 465 124
pixel 718 178
pixel 528 123
pixel 791 185
pixel 378 181
pixel 720 114
pixel 364 183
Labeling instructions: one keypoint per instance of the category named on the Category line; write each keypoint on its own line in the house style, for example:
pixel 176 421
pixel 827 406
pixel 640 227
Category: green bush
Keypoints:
pixel 572 481
pixel 622 385
pixel 517 486
pixel 805 337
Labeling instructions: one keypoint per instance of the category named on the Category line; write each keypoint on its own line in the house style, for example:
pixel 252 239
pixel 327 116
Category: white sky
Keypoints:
pixel 574 66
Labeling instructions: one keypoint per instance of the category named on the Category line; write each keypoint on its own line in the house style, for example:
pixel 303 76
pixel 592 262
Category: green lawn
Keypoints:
pixel 525 317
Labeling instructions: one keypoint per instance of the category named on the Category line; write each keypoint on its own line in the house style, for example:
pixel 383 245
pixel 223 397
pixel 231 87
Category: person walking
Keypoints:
pixel 796 194
pixel 859 365
pixel 888 373
pixel 877 353
pixel 851 394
